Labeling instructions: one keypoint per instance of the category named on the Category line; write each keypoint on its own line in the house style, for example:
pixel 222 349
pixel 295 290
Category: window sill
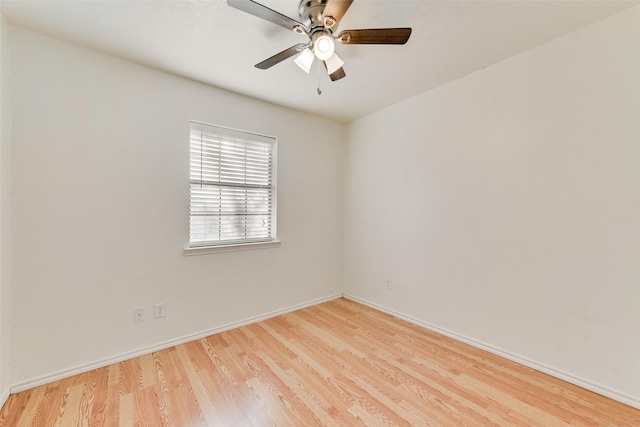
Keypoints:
pixel 230 248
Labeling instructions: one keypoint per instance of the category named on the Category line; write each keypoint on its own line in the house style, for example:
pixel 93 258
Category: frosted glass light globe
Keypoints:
pixel 323 47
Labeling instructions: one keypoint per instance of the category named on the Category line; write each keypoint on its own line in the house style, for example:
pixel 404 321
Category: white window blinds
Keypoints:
pixel 232 182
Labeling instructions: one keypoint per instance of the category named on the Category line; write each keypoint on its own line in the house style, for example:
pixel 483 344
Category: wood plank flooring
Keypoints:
pixel 337 363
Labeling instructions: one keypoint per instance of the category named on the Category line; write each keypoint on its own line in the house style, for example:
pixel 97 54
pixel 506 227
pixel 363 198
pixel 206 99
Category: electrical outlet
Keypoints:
pixel 389 285
pixel 160 309
pixel 138 314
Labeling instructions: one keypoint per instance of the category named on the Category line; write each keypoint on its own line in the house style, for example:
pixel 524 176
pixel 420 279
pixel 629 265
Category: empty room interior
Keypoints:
pixel 409 213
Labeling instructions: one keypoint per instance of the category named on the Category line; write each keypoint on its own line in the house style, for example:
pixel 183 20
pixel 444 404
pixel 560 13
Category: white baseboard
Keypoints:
pixel 45 379
pixel 65 373
pixel 4 396
pixel 581 382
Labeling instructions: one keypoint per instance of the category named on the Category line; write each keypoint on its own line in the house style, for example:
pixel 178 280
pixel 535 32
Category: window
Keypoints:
pixel 233 190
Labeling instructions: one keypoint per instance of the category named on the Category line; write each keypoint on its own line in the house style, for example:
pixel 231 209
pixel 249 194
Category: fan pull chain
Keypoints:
pixel 318 68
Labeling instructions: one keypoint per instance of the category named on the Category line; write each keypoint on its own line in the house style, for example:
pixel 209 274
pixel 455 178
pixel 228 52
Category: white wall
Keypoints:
pixel 100 184
pixel 505 207
pixel 5 213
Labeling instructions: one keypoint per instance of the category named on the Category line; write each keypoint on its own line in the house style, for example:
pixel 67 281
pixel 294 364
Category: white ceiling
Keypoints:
pixel 213 43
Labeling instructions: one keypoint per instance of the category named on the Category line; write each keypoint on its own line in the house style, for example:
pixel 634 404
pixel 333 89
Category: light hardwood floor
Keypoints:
pixel 337 363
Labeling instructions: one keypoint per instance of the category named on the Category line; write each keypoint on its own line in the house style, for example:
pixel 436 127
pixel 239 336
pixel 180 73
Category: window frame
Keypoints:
pixel 235 136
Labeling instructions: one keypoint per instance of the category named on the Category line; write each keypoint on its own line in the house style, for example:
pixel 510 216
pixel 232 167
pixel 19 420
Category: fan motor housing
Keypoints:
pixel 310 12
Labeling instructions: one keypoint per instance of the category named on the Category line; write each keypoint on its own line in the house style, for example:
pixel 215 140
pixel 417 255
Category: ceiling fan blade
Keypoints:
pixel 375 36
pixel 336 9
pixel 256 9
pixel 337 75
pixel 279 57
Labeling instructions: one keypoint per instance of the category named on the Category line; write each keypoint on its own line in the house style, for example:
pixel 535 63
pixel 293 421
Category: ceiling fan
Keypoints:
pixel 318 21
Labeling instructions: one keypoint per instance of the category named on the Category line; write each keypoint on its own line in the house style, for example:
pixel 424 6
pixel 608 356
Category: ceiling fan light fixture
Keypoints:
pixel 318 21
pixel 323 47
pixel 305 60
pixel 334 63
